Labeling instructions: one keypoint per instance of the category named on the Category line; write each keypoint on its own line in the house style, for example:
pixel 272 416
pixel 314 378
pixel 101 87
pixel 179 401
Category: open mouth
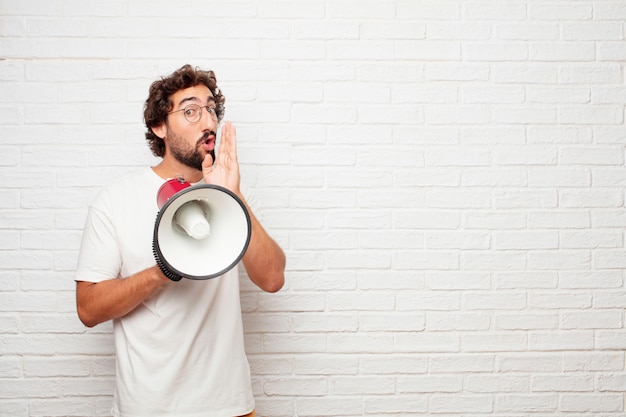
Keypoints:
pixel 207 141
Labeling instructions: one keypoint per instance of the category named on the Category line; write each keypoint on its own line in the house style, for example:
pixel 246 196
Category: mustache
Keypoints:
pixel 205 137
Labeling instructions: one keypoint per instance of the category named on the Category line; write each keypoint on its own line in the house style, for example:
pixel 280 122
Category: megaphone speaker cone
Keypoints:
pixel 193 218
pixel 201 232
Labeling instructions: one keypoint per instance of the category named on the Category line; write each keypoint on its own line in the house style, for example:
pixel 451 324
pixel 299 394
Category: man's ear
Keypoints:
pixel 160 130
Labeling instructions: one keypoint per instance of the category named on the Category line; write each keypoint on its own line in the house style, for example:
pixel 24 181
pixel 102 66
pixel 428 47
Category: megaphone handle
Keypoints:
pixel 169 274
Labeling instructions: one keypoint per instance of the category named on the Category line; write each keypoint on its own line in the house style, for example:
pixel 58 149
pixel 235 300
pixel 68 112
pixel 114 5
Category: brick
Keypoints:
pixel 495 342
pixel 526 240
pixel 456 240
pixel 324 323
pixel 592 31
pixel 349 301
pixel 608 259
pixel 562 51
pixel 498 383
pixel 590 199
pixel 329 407
pixel 405 404
pixel 428 51
pixel 607 95
pixel 359 385
pixel 393 30
pixel 610 340
pixel 577 95
pixel 391 322
pixel 495 51
pixel 427 342
pixel 457 281
pixel 529 362
pixel 611 51
pixel 560 134
pixel 562 383
pixel 284 343
pixel 428 302
pixel 612 382
pixel 326 364
pixel 461 403
pixel 426 260
pixel 462 199
pixel 534 279
pixel 361 343
pixel 294 302
pixel 601 115
pixel 465 362
pixel 489 260
pixel 322 280
pixel 527 403
pixel 525 73
pixel 542 260
pixel 302 387
pixel 559 219
pixel 494 220
pixel 385 280
pixel 608 299
pixel 428 177
pixel 448 30
pixel 428 384
pixel 557 300
pixel 527 321
pixel 489 301
pixel 396 364
pixel 591 403
pixel 590 279
pixel 407 9
pixel 591 320
pixel 326 30
pixel 465 114
pixel 450 71
pixel 560 11
pixel 535 31
pixel 457 321
pixel 606 74
pixel 562 340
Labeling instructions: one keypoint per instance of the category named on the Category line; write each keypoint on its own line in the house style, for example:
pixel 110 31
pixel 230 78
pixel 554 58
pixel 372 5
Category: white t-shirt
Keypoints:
pixel 180 353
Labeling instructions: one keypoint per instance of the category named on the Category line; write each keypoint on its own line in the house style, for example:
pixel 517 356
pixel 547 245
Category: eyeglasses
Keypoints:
pixel 193 112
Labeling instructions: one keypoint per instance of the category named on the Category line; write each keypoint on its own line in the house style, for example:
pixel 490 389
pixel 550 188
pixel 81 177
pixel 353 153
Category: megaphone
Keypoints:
pixel 201 231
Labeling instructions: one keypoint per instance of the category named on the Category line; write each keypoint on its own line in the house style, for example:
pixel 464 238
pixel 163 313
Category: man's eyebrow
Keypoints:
pixel 209 100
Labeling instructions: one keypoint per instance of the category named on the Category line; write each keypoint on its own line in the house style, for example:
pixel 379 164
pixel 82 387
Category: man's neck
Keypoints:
pixel 167 170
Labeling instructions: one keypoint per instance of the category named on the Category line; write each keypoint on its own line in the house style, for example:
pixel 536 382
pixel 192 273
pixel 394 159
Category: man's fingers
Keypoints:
pixel 233 143
pixel 207 163
pixel 228 145
pixel 225 138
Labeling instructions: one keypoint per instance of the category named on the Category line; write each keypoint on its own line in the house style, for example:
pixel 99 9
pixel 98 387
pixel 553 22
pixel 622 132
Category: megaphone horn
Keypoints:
pixel 201 231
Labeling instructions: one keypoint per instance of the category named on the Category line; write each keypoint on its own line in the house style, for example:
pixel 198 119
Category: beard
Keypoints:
pixel 185 154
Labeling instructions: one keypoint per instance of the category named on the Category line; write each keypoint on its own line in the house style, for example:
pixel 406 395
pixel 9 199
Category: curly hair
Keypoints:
pixel 159 102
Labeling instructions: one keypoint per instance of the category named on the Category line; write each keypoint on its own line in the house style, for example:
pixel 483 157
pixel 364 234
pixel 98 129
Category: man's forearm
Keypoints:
pixel 264 260
pixel 114 298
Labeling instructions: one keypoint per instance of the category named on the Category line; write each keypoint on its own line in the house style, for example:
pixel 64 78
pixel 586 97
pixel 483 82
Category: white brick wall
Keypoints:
pixel 446 177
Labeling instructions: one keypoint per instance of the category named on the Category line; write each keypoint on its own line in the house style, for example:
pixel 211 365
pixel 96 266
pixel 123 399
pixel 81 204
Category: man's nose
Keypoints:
pixel 207 119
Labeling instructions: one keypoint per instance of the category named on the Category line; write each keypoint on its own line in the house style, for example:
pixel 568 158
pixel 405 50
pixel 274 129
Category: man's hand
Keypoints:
pixel 225 171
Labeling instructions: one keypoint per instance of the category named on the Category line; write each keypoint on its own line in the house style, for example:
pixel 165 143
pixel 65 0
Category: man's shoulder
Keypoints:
pixel 127 185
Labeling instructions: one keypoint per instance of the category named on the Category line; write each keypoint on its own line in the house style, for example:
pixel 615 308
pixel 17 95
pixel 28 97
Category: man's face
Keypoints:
pixel 188 139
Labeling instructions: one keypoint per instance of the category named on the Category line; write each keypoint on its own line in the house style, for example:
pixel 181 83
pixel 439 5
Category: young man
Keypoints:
pixel 179 345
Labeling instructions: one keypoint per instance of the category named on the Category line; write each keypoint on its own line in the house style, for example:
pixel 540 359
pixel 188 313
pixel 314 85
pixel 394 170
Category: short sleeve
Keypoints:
pixel 99 258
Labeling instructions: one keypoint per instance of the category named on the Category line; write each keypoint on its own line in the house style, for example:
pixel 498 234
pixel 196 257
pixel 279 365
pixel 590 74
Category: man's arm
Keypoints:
pixel 264 260
pixel 114 298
